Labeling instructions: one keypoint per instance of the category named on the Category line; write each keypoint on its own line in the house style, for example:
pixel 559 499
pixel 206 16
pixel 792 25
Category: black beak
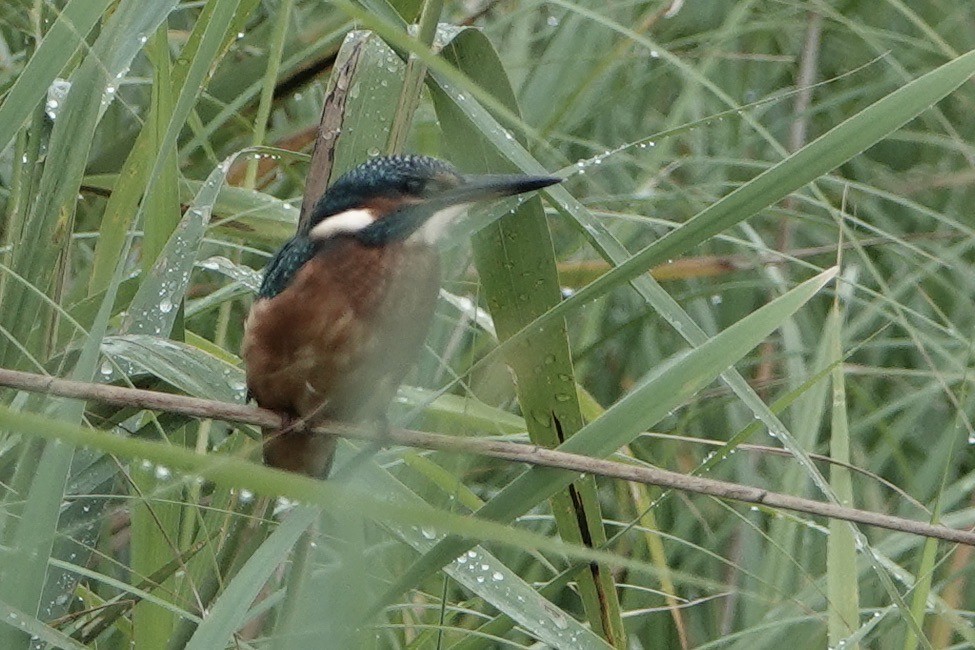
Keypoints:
pixel 412 216
pixel 494 186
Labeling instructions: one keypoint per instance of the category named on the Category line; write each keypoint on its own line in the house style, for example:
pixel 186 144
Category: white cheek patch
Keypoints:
pixel 434 228
pixel 343 222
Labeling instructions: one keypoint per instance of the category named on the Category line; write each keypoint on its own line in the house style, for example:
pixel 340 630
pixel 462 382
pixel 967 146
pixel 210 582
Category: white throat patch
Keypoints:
pixel 343 222
pixel 434 228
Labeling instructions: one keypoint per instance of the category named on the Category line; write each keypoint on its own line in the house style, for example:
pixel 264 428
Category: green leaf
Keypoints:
pixel 186 367
pixel 841 553
pixel 516 262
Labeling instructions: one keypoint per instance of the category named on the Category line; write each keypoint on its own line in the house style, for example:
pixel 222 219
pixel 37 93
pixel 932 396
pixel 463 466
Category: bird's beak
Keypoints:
pixel 494 186
pixel 433 215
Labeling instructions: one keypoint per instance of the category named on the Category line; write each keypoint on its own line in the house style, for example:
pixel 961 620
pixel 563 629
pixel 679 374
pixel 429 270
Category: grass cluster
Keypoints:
pixel 757 269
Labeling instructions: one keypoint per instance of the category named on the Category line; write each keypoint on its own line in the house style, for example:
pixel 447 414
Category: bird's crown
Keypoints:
pixel 403 177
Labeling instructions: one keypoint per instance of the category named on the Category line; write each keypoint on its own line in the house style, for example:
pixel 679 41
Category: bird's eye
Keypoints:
pixel 415 186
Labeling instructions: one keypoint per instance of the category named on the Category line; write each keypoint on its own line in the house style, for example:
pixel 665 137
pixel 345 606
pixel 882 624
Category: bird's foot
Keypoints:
pixel 291 423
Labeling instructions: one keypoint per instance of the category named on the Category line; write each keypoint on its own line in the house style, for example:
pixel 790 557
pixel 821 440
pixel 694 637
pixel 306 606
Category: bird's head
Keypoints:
pixel 394 198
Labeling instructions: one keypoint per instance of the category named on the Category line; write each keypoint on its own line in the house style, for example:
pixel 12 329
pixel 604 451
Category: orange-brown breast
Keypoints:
pixel 337 342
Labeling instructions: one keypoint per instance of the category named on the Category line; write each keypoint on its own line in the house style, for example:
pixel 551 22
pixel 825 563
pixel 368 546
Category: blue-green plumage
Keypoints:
pixel 283 266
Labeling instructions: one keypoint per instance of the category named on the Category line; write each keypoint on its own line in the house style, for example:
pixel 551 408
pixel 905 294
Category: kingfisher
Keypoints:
pixel 345 305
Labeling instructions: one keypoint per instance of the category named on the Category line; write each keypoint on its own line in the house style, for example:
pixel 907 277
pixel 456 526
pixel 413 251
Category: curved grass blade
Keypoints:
pixel 485 575
pixel 158 301
pixel 188 368
pixel 237 211
pixel 229 611
pixel 825 153
pixel 36 628
pixel 206 51
pixel 651 400
pixel 61 41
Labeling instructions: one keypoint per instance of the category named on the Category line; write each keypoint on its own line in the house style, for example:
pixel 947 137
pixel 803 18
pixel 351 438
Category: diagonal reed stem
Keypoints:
pixel 504 450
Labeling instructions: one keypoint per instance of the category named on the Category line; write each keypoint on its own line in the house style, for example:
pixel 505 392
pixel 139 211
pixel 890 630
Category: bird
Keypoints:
pixel 344 306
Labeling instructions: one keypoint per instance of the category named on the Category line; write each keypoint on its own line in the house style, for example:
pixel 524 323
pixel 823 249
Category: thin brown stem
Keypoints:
pixel 516 452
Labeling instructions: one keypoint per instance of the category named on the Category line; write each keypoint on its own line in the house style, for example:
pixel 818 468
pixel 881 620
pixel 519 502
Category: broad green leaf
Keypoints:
pixel 184 366
pixel 516 264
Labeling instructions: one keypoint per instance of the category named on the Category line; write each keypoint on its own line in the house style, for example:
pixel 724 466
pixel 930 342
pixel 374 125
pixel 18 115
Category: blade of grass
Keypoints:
pixel 275 51
pixel 162 205
pixel 230 609
pixel 409 97
pixel 485 575
pixel 130 183
pixel 201 60
pixel 841 553
pixel 651 400
pixel 154 522
pixel 235 472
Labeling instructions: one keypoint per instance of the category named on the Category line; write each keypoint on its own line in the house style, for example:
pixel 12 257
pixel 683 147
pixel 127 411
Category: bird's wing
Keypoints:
pixel 281 270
